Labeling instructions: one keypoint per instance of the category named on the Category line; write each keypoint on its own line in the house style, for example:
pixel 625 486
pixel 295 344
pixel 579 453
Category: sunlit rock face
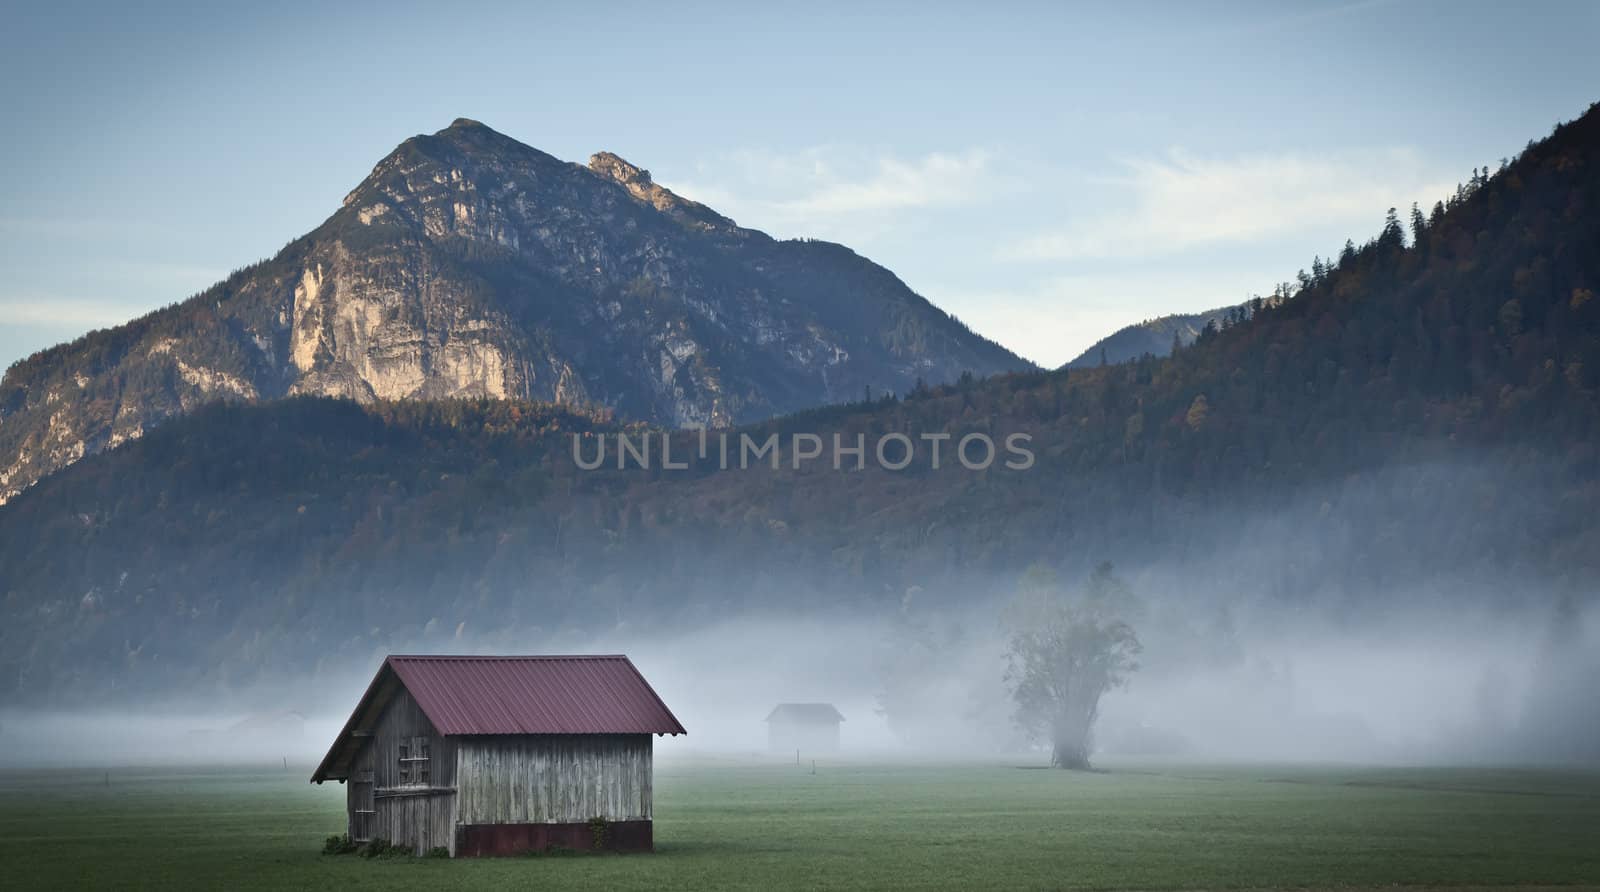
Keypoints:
pixel 470 265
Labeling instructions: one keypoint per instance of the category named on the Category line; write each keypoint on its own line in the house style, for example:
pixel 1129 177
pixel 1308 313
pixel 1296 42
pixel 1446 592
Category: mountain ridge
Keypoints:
pixel 468 264
pixel 1152 336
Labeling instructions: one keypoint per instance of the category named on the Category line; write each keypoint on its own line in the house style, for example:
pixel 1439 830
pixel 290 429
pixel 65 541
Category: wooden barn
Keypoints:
pixel 808 727
pixel 498 755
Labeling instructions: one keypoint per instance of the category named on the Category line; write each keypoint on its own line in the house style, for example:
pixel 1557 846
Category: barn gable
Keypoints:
pixel 402 779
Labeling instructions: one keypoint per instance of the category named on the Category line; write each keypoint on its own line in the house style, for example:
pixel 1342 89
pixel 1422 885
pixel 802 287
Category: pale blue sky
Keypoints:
pixel 1047 172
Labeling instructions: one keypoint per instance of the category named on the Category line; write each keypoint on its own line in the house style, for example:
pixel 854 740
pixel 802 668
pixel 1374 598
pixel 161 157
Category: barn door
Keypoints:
pixel 362 810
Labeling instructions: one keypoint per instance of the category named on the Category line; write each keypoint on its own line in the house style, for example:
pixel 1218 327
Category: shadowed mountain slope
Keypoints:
pixel 1155 337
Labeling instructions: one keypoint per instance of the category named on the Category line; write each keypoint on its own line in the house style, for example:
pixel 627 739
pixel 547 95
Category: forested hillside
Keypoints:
pixel 1419 414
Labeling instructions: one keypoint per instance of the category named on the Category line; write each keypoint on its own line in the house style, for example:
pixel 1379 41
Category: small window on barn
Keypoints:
pixel 414 762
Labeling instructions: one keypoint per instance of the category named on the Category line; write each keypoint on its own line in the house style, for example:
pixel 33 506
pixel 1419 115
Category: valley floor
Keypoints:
pixel 762 824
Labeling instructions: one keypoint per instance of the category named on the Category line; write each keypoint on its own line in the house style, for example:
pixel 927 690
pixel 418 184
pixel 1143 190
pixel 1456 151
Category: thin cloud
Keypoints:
pixel 43 310
pixel 827 189
pixel 1182 201
pixel 85 227
pixel 933 180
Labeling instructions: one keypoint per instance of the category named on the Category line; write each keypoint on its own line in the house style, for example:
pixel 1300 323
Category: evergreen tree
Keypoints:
pixel 1393 235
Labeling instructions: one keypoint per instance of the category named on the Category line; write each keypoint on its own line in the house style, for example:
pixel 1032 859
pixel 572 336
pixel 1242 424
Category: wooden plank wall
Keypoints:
pixel 359 802
pixel 422 817
pixel 403 720
pixel 553 779
pixel 423 821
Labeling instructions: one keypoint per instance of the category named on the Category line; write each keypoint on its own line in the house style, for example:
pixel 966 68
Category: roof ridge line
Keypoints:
pixel 486 657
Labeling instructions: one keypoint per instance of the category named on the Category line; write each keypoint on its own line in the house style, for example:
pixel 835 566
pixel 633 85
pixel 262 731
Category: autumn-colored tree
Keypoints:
pixel 1198 410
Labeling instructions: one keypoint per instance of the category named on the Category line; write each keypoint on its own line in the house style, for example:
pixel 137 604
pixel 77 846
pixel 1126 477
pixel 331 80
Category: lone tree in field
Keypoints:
pixel 1067 650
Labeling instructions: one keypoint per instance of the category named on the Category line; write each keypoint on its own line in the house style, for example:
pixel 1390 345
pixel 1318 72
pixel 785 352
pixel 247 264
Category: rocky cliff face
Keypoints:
pixel 470 265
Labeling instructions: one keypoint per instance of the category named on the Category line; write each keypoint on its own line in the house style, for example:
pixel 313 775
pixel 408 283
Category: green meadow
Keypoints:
pixel 755 824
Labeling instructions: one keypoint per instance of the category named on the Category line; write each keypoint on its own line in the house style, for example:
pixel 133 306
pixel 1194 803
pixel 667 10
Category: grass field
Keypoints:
pixel 747 823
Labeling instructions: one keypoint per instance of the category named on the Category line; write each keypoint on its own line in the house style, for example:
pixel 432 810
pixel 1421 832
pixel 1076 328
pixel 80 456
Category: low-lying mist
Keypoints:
pixel 1434 683
pixel 1252 649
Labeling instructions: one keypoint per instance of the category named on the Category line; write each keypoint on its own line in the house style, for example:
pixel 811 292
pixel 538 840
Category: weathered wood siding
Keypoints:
pixel 553 779
pixel 359 800
pixel 402 721
pixel 411 813
pixel 423 820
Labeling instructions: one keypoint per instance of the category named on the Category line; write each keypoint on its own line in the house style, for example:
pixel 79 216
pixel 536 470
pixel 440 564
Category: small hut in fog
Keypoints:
pixel 809 727
pixel 497 755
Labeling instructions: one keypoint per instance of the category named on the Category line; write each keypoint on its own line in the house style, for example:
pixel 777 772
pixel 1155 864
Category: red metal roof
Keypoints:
pixel 534 695
pixel 463 695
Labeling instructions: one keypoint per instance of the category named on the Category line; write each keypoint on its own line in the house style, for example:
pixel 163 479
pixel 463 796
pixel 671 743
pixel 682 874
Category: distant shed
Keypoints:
pixel 810 727
pixel 497 755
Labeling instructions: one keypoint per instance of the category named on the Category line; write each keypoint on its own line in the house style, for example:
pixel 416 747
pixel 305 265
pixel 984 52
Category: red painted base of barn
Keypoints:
pixel 475 840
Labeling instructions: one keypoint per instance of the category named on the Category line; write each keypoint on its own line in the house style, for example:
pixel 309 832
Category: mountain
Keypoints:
pixel 468 264
pixel 1152 336
pixel 1418 421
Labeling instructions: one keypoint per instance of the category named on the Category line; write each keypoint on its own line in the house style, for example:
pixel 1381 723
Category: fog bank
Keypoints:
pixel 1436 682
